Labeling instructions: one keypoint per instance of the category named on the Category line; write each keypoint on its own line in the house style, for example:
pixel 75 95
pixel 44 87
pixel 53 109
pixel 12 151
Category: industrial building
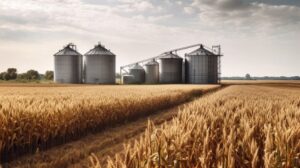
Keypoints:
pixel 170 68
pixel 152 72
pixel 137 74
pixel 201 66
pixel 99 66
pixel 68 65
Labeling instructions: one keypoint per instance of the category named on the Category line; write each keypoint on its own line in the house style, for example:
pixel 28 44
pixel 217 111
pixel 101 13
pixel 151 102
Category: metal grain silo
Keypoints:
pixel 152 72
pixel 100 66
pixel 201 67
pixel 128 79
pixel 138 73
pixel 170 68
pixel 68 65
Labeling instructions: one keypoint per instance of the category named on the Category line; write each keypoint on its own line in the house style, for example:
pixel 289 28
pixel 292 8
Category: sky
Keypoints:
pixel 260 37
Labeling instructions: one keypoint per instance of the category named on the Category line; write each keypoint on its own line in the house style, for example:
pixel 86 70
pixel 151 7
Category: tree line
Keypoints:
pixel 12 74
pixel 249 77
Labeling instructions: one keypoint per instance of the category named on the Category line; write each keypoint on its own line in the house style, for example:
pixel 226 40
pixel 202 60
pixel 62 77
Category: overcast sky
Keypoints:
pixel 258 37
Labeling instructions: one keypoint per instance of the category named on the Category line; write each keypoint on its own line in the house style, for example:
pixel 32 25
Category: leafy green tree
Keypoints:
pixel 2 75
pixel 248 77
pixel 12 73
pixel 22 76
pixel 49 75
pixel 6 76
pixel 33 75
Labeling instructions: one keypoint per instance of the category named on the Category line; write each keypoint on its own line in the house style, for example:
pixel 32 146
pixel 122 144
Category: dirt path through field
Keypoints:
pixel 103 144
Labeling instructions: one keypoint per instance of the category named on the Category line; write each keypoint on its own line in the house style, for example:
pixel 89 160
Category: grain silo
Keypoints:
pixel 138 73
pixel 170 68
pixel 100 66
pixel 68 65
pixel 152 72
pixel 128 79
pixel 201 66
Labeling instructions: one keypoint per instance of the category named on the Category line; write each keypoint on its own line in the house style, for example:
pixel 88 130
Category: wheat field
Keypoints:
pixel 237 127
pixel 37 118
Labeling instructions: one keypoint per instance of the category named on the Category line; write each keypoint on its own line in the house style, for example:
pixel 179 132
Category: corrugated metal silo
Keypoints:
pixel 138 73
pixel 152 72
pixel 170 68
pixel 201 67
pixel 100 66
pixel 128 79
pixel 68 65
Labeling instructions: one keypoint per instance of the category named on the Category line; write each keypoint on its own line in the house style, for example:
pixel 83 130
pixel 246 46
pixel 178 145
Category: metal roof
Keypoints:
pixel 200 51
pixel 169 55
pixel 137 66
pixel 153 62
pixel 70 49
pixel 99 50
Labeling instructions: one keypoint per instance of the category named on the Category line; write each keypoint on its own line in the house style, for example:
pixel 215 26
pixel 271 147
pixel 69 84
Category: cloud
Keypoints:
pixel 189 10
pixel 246 15
pixel 30 19
pixel 160 18
pixel 226 5
pixel 179 2
pixel 214 15
pixel 137 5
pixel 144 5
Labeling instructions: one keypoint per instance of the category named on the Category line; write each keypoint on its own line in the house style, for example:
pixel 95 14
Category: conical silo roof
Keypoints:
pixel 137 66
pixel 70 49
pixel 170 55
pixel 201 51
pixel 153 62
pixel 99 50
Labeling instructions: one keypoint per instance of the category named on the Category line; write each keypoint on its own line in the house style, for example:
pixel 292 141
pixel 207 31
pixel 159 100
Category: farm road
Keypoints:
pixel 103 144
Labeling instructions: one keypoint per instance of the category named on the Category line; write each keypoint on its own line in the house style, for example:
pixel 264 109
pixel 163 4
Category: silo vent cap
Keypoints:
pixel 152 62
pixel 200 51
pixel 99 50
pixel 69 49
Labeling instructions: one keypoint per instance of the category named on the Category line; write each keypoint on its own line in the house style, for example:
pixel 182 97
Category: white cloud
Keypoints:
pixel 137 5
pixel 159 18
pixel 179 2
pixel 241 15
pixel 144 5
pixel 189 10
